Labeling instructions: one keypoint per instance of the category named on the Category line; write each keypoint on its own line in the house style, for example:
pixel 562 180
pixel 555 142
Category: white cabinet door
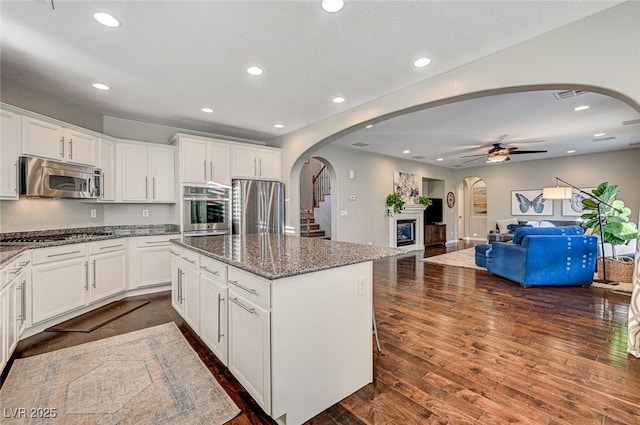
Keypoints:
pixel 134 174
pixel 9 152
pixel 108 274
pixel 20 294
pixel 193 161
pixel 176 283
pixel 150 262
pixel 249 348
pixel 59 287
pixel 12 317
pixel 4 320
pixel 161 167
pixel 108 167
pixel 244 162
pixel 213 316
pixel 81 148
pixel 269 164
pixel 191 304
pixel 219 163
pixel 41 138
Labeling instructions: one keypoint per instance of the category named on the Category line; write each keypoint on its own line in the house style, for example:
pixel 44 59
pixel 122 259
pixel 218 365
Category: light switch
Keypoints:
pixel 352 174
pixel 93 213
pixel 343 213
pixel 145 213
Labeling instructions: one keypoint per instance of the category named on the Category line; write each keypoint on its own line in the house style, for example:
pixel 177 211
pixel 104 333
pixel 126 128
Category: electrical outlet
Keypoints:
pixel 344 213
pixel 362 285
pixel 145 213
pixel 93 213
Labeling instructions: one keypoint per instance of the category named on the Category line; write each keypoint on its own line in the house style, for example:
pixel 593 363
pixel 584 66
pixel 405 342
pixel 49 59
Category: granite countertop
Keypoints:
pixel 278 256
pixel 9 249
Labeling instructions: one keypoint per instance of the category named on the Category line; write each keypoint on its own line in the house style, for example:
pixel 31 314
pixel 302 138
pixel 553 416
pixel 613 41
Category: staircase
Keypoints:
pixel 314 230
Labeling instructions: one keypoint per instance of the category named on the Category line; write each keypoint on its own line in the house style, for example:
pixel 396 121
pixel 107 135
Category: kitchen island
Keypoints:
pixel 291 317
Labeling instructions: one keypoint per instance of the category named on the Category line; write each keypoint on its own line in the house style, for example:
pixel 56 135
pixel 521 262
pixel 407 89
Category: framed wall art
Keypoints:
pixel 530 202
pixel 573 207
pixel 405 185
pixel 479 200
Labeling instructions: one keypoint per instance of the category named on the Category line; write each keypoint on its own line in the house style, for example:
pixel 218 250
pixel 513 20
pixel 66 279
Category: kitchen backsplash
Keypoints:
pixel 43 214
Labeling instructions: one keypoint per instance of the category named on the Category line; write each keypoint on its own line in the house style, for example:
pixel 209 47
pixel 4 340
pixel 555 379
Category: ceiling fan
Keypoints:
pixel 499 153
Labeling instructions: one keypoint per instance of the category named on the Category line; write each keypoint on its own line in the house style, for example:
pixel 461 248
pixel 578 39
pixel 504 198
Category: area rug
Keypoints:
pixel 462 258
pixel 151 376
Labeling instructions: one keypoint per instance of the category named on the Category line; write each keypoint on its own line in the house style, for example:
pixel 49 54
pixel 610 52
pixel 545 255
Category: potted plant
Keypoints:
pixel 395 204
pixel 423 200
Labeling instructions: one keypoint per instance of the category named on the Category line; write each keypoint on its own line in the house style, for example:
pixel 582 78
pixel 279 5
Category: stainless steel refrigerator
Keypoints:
pixel 257 207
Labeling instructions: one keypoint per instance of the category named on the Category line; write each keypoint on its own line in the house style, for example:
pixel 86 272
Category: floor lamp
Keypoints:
pixel 559 192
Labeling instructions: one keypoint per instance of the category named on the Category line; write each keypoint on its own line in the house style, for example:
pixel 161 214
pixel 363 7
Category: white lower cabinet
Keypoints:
pixel 150 261
pixel 191 304
pixel 213 315
pixel 4 327
pixel 60 280
pixel 108 262
pixel 249 348
pixel 176 280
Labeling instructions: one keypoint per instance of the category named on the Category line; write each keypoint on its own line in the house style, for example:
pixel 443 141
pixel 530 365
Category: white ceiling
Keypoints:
pixel 169 59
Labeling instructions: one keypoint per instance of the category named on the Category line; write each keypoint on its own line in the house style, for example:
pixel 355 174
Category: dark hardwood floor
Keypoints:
pixel 460 346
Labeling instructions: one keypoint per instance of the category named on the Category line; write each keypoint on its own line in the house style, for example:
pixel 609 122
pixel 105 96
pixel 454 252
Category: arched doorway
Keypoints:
pixel 316 209
pixel 472 209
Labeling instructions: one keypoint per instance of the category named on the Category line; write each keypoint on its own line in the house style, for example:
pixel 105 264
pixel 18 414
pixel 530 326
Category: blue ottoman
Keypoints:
pixel 482 252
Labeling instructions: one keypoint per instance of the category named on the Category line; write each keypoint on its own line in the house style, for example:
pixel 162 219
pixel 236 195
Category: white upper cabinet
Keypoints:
pixel 107 164
pixel 204 161
pixel 9 151
pixel 42 138
pixel 147 172
pixel 252 162
pixel 51 140
pixel 80 148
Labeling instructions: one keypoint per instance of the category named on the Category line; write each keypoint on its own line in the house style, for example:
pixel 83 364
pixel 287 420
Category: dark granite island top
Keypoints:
pixel 278 256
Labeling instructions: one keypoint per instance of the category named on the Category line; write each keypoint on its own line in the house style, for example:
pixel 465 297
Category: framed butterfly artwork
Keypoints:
pixel 573 207
pixel 530 202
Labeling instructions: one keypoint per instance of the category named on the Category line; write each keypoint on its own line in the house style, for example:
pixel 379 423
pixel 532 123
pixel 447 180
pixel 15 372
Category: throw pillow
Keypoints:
pixel 513 227
pixel 502 224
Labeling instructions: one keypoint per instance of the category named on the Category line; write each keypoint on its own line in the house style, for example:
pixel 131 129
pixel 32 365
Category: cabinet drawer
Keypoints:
pixel 190 258
pixel 250 287
pixel 110 245
pixel 148 241
pixel 46 255
pixel 214 269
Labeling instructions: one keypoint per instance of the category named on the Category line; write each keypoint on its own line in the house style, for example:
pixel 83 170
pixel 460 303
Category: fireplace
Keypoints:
pixel 405 232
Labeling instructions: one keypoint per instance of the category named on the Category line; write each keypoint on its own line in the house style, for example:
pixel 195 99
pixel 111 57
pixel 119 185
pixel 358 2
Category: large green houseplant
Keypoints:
pixel 616 228
pixel 395 204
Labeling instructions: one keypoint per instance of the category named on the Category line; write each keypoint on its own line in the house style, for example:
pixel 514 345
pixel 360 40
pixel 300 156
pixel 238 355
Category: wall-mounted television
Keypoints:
pixel 433 213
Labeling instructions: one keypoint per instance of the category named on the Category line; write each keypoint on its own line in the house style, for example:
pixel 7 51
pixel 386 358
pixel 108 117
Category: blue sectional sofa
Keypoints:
pixel 553 256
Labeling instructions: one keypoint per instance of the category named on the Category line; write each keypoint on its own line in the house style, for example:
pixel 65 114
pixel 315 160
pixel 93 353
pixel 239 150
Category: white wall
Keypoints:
pixel 599 53
pixel 44 214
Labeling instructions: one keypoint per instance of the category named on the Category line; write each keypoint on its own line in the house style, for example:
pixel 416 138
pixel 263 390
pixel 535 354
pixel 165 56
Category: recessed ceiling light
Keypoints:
pixel 279 126
pixel 254 70
pixel 581 108
pixel 332 6
pixel 571 151
pixel 406 151
pixel 106 19
pixel 440 159
pixel 338 99
pixel 369 126
pixel 422 62
pixel 207 110
pixel 599 134
pixel 101 86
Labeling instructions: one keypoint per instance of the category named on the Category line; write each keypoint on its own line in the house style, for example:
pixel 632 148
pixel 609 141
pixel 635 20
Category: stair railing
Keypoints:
pixel 307 213
pixel 321 186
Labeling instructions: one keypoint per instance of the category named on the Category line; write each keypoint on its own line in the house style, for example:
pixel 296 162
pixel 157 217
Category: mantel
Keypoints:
pixel 410 212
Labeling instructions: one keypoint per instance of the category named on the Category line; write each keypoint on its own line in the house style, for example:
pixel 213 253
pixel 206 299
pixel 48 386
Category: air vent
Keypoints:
pixel 562 95
pixel 457 166
pixel 418 157
pixel 631 122
pixel 360 144
pixel 604 139
pixel 635 145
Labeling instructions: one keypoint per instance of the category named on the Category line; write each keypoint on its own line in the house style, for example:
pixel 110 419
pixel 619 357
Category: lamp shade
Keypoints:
pixel 557 192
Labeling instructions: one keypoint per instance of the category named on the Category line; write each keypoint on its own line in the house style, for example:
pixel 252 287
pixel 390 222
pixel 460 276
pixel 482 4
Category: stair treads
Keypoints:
pixel 98 317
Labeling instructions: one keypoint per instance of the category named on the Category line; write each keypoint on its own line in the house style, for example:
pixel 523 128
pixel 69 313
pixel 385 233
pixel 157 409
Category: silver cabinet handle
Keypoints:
pixel 63 253
pixel 260 169
pixel 220 299
pixel 111 246
pixel 188 260
pixel 205 169
pixel 86 275
pixel 213 272
pixel 146 187
pixel 94 273
pixel 255 166
pixel 211 170
pixel 249 290
pixel 19 316
pixel 155 242
pixel 175 253
pixel 250 310
pixel 70 148
pixel 181 286
pixel 23 263
pixel 62 147
pixel 153 181
pixel 15 270
pixel 24 301
pixel 15 189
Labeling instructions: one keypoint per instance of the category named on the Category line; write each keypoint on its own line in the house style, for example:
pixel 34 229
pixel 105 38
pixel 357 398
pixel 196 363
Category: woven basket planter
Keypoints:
pixel 618 269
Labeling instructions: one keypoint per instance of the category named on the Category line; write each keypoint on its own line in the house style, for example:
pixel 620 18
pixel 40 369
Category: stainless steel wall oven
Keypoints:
pixel 207 210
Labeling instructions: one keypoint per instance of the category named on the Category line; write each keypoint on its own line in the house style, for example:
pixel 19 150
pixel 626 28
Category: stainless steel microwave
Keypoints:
pixel 42 178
